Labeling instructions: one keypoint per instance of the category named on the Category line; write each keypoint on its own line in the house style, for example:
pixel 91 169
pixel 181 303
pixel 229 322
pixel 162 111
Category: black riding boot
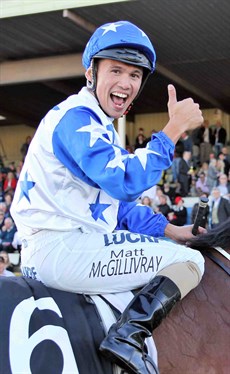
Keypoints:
pixel 125 342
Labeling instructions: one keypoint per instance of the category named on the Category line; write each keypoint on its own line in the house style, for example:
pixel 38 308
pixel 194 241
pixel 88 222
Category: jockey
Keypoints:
pixel 76 208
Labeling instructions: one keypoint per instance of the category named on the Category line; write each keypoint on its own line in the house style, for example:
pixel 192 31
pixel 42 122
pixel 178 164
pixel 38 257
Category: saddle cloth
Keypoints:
pixel 43 330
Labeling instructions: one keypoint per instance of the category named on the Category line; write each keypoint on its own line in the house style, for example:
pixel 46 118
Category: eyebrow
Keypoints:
pixel 135 68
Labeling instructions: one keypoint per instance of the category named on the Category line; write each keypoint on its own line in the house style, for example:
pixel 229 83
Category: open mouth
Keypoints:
pixel 119 99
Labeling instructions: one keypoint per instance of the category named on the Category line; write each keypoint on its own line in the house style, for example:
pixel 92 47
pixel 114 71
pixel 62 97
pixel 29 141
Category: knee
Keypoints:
pixel 198 259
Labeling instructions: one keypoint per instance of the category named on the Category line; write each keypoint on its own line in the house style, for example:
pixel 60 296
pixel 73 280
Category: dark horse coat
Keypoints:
pixel 195 337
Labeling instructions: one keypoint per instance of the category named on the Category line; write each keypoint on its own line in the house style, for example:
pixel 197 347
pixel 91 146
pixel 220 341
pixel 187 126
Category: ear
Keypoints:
pixel 88 74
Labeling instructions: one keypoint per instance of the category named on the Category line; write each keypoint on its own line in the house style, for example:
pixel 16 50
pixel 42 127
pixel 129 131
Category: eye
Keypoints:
pixel 136 76
pixel 116 71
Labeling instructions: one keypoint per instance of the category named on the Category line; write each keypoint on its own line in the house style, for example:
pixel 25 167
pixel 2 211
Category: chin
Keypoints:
pixel 117 116
pixel 114 114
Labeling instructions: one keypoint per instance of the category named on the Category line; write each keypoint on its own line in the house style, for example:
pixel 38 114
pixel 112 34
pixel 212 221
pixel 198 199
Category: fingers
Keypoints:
pixel 202 230
pixel 172 95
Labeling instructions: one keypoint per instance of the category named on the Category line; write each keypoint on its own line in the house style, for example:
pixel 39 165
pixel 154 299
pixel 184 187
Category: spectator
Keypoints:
pixel 179 148
pixel 2 218
pixel 3 271
pixel 8 201
pixel 226 163
pixel 11 167
pixel 175 166
pixel 3 208
pixel 195 136
pixel 220 208
pixel 156 199
pixel 168 177
pixel 206 141
pixel 225 151
pixel 201 184
pixel 223 185
pixel 211 156
pixel 220 166
pixel 163 207
pixel 140 132
pixel 129 148
pixel 25 147
pixel 7 235
pixel 212 174
pixel 187 141
pixel 180 212
pixel 18 169
pixel 10 182
pixel 169 191
pixel 6 257
pixel 146 201
pixel 204 168
pixel 220 135
pixel 140 142
pixel 184 177
pixel 193 191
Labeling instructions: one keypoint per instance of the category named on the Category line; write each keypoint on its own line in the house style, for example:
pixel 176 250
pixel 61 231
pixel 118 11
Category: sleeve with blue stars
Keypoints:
pixel 88 146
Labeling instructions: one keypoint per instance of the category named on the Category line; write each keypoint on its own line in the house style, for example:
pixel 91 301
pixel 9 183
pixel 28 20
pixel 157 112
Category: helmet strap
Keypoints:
pixel 144 80
pixel 128 109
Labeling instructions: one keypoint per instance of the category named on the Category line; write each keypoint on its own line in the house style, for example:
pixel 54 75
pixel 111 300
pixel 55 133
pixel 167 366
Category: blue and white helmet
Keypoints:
pixel 122 41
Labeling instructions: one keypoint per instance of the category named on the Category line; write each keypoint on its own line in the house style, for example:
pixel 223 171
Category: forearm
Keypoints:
pixel 181 234
pixel 172 131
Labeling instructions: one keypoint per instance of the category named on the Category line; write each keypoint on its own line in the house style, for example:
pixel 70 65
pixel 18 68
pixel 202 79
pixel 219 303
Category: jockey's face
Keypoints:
pixel 117 85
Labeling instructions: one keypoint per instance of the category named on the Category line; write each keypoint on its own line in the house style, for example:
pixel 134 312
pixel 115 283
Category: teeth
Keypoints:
pixel 119 94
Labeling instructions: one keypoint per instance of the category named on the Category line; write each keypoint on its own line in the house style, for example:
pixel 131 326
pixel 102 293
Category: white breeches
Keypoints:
pixel 98 263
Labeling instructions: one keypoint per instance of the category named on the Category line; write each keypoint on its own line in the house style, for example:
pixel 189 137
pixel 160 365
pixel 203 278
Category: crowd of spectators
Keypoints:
pixel 9 242
pixel 200 168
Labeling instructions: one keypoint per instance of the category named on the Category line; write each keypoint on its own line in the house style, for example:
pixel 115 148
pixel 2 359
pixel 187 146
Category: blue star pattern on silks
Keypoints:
pixel 96 131
pixel 97 209
pixel 25 187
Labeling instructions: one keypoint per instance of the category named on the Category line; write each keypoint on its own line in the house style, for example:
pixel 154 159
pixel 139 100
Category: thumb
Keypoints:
pixel 172 95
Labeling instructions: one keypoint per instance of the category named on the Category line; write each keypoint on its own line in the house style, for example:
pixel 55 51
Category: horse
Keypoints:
pixel 52 331
pixel 195 336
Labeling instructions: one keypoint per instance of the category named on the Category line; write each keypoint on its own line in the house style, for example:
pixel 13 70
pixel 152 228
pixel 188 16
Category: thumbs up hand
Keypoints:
pixel 172 101
pixel 184 115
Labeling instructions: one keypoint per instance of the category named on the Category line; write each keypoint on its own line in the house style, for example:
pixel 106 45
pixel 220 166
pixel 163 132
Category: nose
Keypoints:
pixel 125 82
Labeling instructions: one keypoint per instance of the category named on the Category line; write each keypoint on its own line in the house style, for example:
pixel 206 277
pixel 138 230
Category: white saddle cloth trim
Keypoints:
pixel 223 252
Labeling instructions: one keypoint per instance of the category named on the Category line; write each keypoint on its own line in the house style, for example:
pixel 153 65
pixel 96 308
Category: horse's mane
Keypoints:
pixel 216 237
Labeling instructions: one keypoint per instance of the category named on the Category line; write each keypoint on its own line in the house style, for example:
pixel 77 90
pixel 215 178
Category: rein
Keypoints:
pixel 217 260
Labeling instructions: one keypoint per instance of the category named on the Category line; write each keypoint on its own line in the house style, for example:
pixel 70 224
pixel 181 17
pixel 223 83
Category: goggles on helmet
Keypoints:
pixel 126 55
